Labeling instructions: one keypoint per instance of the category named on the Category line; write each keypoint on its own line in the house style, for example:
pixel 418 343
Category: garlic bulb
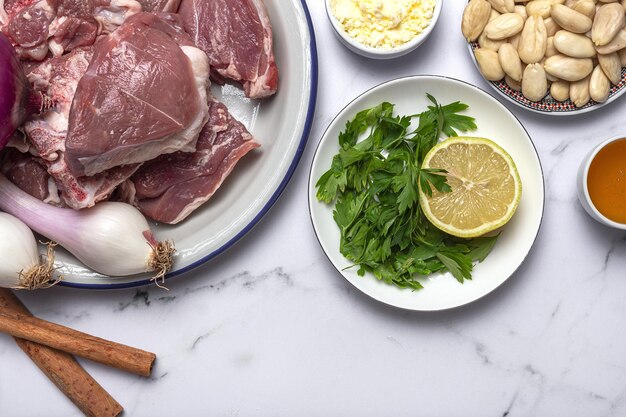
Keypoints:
pixel 20 267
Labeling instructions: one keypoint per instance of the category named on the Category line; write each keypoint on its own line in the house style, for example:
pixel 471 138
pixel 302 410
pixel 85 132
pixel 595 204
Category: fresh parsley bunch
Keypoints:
pixel 374 183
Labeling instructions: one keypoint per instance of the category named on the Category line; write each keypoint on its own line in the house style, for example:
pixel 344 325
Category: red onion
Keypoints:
pixel 17 100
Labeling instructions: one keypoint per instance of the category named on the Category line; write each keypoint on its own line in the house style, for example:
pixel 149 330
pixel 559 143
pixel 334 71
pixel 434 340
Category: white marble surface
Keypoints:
pixel 271 329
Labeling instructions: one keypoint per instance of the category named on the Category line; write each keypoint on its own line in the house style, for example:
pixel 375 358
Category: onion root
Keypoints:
pixel 40 276
pixel 162 261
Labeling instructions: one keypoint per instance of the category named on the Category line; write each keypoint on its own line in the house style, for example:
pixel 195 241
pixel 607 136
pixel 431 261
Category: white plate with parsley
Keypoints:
pixel 364 200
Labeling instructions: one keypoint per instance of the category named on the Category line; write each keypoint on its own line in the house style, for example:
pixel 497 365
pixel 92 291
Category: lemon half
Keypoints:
pixel 486 187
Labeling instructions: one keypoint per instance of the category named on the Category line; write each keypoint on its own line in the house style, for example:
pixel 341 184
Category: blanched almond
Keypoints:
pixel 559 90
pixel 503 6
pixel 574 45
pixel 475 18
pixel 485 42
pixel 611 66
pixel 622 56
pixel 618 42
pixel 550 49
pixel 599 85
pixel 488 64
pixel 579 92
pixel 570 19
pixel 504 26
pixel 533 40
pixel 586 7
pixel 515 85
pixel 567 68
pixel 534 82
pixel 609 20
pixel 514 40
pixel 521 10
pixel 539 8
pixel 551 78
pixel 551 26
pixel 510 62
pixel 494 14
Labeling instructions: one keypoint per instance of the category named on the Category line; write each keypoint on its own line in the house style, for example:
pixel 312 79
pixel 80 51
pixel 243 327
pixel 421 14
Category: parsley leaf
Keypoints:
pixel 481 247
pixel 435 177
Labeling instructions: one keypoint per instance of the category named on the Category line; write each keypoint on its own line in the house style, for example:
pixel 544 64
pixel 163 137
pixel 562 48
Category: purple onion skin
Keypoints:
pixel 14 91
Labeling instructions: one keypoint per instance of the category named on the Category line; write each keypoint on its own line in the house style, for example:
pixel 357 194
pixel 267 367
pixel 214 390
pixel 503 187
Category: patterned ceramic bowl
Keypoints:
pixel 549 105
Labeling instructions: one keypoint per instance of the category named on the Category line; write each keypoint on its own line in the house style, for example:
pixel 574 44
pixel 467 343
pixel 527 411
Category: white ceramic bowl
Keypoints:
pixel 583 190
pixel 379 53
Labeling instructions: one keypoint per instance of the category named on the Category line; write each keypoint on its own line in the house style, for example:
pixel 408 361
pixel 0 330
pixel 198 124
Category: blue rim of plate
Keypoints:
pixel 281 187
pixel 549 105
pixel 543 202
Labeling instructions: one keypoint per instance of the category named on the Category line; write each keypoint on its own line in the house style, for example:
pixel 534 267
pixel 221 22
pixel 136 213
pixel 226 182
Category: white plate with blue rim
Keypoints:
pixel 281 124
pixel 441 291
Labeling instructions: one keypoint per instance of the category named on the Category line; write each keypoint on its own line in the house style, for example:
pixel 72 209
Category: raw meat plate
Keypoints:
pixel 280 124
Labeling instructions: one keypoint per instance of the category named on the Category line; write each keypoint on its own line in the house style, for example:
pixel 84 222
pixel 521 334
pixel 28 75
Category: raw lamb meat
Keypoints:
pixel 170 6
pixel 26 23
pixel 143 95
pixel 170 187
pixel 58 78
pixel 78 22
pixel 29 174
pixel 58 26
pixel 237 37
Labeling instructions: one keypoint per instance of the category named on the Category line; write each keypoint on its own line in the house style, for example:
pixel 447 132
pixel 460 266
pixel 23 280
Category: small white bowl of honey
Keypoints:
pixel 602 182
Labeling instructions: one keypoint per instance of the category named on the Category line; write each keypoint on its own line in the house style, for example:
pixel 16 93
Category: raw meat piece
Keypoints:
pixel 237 37
pixel 143 95
pixel 29 174
pixel 29 26
pixel 73 27
pixel 170 6
pixel 170 187
pixel 11 7
pixel 39 26
pixel 69 33
pixel 58 77
pixel 110 14
pixel 26 23
pixel 78 22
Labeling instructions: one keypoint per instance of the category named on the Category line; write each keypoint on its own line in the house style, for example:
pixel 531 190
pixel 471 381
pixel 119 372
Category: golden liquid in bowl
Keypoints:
pixel 606 181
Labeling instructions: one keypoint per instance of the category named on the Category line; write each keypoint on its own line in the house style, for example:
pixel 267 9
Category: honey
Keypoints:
pixel 606 181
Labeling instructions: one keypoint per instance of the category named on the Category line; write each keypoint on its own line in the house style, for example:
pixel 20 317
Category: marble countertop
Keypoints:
pixel 270 328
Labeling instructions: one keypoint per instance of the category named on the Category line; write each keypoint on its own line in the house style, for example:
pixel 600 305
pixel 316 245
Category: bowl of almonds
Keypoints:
pixel 550 56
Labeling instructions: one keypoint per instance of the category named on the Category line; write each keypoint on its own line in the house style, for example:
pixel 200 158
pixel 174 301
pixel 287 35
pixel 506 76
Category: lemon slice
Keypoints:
pixel 486 187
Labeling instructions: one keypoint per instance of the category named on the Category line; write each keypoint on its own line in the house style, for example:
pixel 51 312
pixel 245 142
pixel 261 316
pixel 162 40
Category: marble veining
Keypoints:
pixel 269 328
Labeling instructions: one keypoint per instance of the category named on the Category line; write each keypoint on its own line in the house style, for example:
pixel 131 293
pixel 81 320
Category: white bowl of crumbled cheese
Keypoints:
pixel 383 29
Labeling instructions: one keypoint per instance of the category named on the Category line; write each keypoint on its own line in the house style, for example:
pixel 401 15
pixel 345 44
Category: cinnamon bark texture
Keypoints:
pixel 77 343
pixel 63 370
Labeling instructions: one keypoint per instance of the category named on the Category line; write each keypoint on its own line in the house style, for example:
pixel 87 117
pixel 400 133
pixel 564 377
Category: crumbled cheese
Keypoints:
pixel 383 24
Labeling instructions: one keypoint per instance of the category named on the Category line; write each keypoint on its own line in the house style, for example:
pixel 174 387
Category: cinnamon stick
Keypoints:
pixel 77 343
pixel 63 370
